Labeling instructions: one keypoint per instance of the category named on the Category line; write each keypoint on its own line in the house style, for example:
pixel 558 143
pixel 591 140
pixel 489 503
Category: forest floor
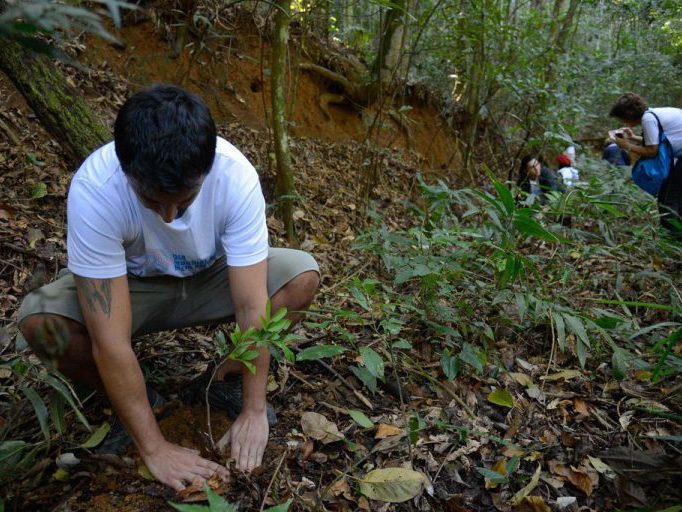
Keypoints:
pixel 562 421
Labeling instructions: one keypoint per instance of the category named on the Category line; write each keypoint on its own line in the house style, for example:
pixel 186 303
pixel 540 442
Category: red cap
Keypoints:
pixel 563 159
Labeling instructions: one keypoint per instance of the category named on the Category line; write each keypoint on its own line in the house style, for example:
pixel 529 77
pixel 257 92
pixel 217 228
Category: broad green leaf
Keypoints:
pixel 366 377
pixel 450 365
pixel 409 272
pixel 501 397
pixel 40 409
pixel 217 503
pixel 512 464
pixel 608 322
pixel 372 361
pixel 319 351
pixel 402 344
pixel 360 298
pixel 531 227
pixel 619 363
pixel 97 436
pixel 282 507
pixel 470 357
pixel 360 418
pixel 393 485
pixel 493 476
pixel 279 315
pixel 505 196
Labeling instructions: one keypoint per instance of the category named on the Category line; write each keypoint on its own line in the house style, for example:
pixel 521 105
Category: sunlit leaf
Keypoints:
pixel 319 352
pixel 501 397
pixel 393 485
pixel 372 361
pixel 360 418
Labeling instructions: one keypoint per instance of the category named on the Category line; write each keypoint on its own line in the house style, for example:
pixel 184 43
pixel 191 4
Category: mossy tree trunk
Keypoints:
pixel 284 183
pixel 59 107
pixel 391 44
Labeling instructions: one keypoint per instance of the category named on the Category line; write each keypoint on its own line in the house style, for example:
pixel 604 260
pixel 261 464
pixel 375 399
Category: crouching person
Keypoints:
pixel 166 229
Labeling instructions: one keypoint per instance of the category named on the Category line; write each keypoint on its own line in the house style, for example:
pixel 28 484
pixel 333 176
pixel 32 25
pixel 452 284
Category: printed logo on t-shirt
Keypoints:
pixel 182 264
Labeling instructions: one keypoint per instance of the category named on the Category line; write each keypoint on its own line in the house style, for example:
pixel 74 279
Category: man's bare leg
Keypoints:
pixel 49 334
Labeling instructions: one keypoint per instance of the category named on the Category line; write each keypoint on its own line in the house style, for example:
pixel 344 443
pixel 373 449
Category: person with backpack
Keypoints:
pixel 632 110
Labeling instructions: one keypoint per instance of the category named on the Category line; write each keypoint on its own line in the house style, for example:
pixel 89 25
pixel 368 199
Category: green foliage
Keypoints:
pixel 48 393
pixel 473 267
pixel 272 334
pixel 27 22
pixel 217 503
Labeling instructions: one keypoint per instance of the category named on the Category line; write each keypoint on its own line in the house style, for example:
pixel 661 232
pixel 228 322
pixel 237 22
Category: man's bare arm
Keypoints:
pixel 105 304
pixel 249 433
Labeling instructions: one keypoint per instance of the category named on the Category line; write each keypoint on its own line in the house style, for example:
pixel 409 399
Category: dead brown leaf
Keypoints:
pixel 318 427
pixel 584 478
pixel 532 504
pixel 581 406
pixel 384 431
pixel 501 467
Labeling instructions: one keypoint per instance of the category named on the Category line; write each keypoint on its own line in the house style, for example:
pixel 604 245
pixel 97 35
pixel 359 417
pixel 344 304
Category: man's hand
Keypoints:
pixel 176 466
pixel 248 437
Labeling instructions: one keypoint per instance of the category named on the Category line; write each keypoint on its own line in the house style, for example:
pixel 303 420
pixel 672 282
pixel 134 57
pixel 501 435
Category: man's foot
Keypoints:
pixel 117 440
pixel 227 395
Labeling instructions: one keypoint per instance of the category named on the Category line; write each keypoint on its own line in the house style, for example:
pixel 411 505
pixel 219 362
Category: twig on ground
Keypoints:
pixel 345 382
pixel 274 475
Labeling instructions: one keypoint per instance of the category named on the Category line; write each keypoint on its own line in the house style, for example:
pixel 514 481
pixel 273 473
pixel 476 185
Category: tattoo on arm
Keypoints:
pixel 97 293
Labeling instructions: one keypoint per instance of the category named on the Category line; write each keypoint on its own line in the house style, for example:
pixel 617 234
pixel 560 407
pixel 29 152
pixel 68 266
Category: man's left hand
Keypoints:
pixel 248 437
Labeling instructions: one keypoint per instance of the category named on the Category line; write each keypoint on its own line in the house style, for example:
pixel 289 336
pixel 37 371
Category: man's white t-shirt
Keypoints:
pixel 110 233
pixel 671 120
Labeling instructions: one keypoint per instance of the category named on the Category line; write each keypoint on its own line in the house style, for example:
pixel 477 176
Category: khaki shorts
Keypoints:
pixel 164 302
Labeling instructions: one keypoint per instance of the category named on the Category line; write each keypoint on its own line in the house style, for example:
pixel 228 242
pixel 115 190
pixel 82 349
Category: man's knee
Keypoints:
pixel 300 291
pixel 52 336
pixel 307 284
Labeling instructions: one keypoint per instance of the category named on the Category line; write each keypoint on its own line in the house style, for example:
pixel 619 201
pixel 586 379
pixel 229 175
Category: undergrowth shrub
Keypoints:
pixel 587 273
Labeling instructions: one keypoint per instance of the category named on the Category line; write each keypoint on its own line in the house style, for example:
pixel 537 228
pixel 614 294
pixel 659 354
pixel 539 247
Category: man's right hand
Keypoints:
pixel 176 466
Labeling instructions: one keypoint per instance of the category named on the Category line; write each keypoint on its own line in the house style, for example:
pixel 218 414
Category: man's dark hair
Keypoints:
pixel 629 107
pixel 165 139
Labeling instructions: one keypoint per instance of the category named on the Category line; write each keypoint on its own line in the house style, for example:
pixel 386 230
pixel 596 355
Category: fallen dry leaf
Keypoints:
pixel 581 406
pixel 584 478
pixel 533 504
pixel 318 427
pixel 500 467
pixel 384 431
pixel 521 378
pixel 566 375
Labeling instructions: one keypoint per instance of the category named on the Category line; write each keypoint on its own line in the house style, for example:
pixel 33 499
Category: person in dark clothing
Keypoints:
pixel 535 179
pixel 615 155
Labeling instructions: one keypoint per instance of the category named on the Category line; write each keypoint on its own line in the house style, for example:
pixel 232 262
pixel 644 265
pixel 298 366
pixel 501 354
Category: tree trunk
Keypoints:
pixel 391 43
pixel 284 183
pixel 59 107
